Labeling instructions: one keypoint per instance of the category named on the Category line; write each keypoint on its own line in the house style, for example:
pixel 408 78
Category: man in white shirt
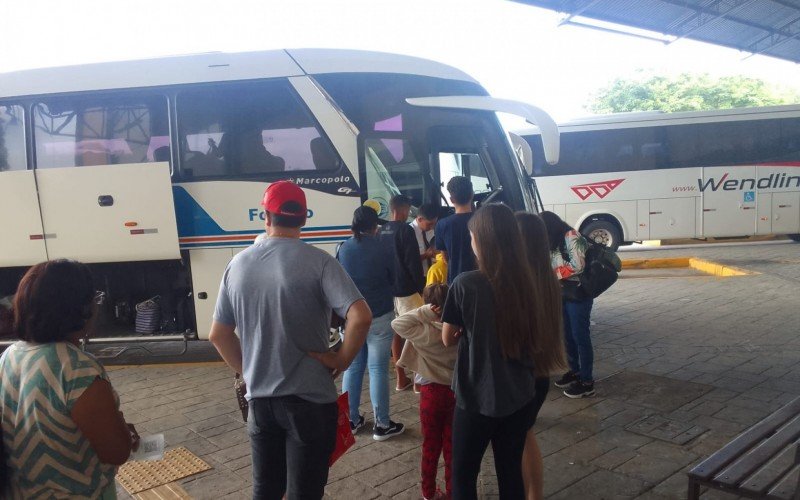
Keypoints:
pixel 423 225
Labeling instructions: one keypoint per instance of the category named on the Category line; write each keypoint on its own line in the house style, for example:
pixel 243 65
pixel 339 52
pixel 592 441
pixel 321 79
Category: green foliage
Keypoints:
pixel 687 92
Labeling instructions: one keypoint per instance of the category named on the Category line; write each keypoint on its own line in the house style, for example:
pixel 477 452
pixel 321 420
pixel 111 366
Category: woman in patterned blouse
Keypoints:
pixel 568 258
pixel 63 435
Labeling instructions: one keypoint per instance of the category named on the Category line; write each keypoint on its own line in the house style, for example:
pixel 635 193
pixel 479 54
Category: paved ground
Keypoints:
pixel 683 362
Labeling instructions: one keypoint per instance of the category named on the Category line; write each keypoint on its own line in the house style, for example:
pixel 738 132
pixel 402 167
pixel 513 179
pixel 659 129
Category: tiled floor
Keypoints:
pixel 702 355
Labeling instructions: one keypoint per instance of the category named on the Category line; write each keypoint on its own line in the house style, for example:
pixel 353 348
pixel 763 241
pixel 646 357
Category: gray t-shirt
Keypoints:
pixel 279 293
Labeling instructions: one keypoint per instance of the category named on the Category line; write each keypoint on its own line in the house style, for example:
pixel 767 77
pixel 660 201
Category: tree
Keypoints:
pixel 687 92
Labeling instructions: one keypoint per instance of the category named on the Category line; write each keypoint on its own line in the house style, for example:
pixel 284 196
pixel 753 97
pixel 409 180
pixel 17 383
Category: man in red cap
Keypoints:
pixel 279 294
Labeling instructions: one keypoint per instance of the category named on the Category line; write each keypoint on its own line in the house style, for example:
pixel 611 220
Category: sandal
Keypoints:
pixel 405 387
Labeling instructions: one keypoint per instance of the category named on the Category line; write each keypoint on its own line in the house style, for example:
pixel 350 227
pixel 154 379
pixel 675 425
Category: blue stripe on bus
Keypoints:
pixel 333 239
pixel 194 221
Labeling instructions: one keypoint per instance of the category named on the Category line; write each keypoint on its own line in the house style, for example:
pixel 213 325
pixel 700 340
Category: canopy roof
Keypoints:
pixel 768 27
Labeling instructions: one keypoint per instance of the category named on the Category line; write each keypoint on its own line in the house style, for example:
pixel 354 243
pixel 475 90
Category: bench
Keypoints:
pixel 762 462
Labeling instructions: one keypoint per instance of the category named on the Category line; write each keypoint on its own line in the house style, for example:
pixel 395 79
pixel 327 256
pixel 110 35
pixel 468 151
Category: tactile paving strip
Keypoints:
pixel 177 463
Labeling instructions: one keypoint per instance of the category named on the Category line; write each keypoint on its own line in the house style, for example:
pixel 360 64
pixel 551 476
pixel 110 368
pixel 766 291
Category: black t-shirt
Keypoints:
pixel 484 381
pixel 408 276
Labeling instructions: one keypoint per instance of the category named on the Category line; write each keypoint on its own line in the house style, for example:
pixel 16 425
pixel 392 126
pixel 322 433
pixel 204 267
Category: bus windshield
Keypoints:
pixel 415 150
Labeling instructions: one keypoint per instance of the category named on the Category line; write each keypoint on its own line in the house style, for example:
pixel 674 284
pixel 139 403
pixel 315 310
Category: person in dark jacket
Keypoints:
pixel 366 260
pixel 409 281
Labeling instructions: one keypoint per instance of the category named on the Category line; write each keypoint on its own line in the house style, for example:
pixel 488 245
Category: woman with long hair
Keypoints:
pixel 550 355
pixel 62 430
pixel 369 263
pixel 568 259
pixel 494 316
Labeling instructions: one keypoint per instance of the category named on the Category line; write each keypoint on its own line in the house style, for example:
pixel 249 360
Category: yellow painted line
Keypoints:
pixel 671 262
pixel 702 265
pixel 716 269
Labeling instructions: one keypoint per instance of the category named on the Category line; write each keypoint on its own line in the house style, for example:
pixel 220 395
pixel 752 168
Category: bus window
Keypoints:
pixel 733 143
pixel 12 138
pixel 246 130
pixel 787 147
pixel 74 132
pixel 391 168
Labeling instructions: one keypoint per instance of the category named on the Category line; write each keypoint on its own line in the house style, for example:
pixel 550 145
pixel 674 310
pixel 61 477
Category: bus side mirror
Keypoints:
pixel 523 152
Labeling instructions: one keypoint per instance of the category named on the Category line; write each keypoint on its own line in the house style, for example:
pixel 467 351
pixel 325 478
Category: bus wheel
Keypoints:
pixel 604 232
pixel 795 237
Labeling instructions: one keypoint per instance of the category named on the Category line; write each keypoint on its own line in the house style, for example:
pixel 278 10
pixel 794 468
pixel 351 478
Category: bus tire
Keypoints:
pixel 794 237
pixel 603 231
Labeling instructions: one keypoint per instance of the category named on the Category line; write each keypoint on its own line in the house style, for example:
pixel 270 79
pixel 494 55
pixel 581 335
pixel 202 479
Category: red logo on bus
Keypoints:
pixel 601 189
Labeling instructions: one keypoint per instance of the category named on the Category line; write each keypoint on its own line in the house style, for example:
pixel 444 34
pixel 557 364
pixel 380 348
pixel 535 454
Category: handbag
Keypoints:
pixel 148 316
pixel 573 290
pixel 240 388
pixel 344 434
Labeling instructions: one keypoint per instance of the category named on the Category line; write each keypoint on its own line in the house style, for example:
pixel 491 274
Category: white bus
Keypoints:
pixel 648 176
pixel 152 171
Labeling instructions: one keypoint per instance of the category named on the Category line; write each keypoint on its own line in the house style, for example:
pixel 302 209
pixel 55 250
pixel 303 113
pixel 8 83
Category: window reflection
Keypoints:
pixel 73 133
pixel 392 168
pixel 250 129
pixel 12 138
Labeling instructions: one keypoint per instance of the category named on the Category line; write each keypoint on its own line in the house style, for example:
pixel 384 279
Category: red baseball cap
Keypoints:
pixel 282 192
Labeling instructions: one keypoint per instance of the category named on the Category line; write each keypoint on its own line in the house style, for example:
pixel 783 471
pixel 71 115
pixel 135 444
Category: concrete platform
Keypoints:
pixel 683 363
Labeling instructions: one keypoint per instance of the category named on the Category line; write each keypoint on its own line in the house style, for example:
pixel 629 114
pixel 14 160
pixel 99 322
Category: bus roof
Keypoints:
pixel 658 118
pixel 215 67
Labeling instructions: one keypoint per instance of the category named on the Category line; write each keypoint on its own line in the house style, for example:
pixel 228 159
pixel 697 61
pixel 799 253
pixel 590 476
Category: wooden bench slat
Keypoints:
pixel 760 455
pixel 787 489
pixel 744 441
pixel 760 482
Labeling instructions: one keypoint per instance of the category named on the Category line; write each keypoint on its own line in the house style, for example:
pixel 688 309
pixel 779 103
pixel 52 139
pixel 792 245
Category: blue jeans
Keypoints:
pixel 577 338
pixel 375 356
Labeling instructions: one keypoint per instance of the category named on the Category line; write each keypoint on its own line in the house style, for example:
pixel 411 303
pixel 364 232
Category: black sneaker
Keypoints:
pixel 567 380
pixel 384 433
pixel 355 427
pixel 580 390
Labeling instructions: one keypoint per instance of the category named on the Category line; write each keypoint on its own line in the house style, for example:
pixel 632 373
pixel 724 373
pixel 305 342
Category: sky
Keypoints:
pixel 515 51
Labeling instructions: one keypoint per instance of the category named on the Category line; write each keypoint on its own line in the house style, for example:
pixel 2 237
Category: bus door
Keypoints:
pixel 22 239
pixel 785 212
pixel 729 201
pixel 22 243
pixel 391 165
pixel 103 174
pixel 460 151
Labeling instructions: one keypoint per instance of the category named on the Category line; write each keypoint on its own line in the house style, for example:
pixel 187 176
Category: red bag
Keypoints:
pixel 344 435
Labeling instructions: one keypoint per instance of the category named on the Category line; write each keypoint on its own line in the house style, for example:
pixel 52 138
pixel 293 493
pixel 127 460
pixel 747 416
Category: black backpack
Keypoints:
pixel 601 270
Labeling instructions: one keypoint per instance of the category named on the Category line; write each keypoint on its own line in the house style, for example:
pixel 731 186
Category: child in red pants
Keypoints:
pixel 432 362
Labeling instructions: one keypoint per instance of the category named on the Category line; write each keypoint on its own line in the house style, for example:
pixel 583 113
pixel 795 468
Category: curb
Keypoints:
pixel 702 265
